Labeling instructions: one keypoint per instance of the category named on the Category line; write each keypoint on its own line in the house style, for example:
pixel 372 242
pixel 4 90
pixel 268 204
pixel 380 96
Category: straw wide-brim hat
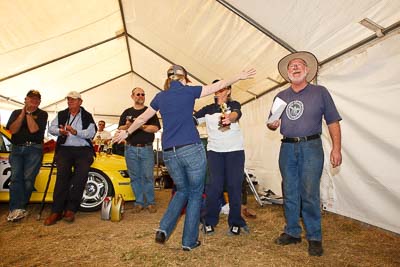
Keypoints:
pixel 309 58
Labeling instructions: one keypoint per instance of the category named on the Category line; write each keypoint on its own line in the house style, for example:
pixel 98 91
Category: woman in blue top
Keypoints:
pixel 183 152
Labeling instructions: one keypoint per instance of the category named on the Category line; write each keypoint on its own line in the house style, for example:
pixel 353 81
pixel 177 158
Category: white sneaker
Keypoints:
pixel 11 216
pixel 16 214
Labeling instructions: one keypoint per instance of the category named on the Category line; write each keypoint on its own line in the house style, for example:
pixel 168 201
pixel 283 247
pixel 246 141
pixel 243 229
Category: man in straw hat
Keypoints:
pixel 301 157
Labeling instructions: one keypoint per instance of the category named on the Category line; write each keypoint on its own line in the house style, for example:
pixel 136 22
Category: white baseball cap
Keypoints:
pixel 74 94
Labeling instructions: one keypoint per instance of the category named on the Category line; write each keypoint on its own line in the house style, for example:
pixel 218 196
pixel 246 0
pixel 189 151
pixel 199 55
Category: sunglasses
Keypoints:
pixel 138 94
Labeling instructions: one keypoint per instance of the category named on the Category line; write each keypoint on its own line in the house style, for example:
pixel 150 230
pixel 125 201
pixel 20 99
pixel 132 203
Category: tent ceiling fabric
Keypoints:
pixel 322 27
pixel 35 31
pixel 207 38
pixel 78 72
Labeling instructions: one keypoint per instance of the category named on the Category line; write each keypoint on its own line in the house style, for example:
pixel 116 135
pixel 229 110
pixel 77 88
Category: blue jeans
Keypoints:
pixel 25 164
pixel 301 167
pixel 226 169
pixel 187 167
pixel 140 163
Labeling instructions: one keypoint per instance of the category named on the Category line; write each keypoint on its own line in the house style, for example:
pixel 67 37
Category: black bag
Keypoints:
pixel 62 139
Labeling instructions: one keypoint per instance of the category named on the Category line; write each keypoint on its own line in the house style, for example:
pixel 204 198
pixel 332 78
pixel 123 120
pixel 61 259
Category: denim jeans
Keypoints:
pixel 301 168
pixel 187 167
pixel 140 163
pixel 25 164
pixel 226 169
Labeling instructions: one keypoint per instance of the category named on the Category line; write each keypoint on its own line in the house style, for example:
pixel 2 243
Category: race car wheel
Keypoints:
pixel 98 187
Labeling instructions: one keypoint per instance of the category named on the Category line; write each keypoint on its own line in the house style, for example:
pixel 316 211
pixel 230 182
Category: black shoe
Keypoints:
pixel 208 229
pixel 234 230
pixel 160 237
pixel 198 243
pixel 315 248
pixel 285 239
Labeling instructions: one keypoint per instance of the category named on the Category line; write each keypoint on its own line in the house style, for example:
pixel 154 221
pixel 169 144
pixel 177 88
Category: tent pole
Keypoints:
pixel 121 9
pixel 385 31
pixel 256 25
pixel 161 56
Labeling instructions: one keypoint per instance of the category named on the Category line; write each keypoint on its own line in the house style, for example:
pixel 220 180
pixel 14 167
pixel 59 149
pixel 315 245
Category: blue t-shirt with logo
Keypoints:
pixel 305 110
pixel 176 107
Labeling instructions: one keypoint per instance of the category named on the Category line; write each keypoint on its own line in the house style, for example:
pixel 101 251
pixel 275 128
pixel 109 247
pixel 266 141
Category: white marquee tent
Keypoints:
pixel 103 48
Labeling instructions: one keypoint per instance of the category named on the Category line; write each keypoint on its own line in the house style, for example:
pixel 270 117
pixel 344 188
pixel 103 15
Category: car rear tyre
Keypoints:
pixel 98 187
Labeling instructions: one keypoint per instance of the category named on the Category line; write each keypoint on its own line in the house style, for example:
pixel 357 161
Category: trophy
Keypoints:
pixel 109 148
pixel 223 126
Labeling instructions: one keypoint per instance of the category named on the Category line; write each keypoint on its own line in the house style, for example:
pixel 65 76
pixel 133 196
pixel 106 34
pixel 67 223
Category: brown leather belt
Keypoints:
pixel 300 139
pixel 140 145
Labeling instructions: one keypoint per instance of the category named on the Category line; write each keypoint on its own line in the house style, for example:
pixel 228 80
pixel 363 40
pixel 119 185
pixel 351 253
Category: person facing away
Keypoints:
pixel 74 154
pixel 139 155
pixel 225 158
pixel 102 137
pixel 183 152
pixel 301 156
pixel 27 127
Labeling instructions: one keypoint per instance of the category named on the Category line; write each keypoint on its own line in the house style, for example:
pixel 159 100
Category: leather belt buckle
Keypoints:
pixel 300 139
pixel 140 145
pixel 28 143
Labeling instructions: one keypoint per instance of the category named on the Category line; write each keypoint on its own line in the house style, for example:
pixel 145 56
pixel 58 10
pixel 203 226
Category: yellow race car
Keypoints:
pixel 108 176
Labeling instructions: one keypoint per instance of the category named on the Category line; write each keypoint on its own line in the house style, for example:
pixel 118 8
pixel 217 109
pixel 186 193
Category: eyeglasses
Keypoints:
pixel 138 94
pixel 100 124
pixel 297 65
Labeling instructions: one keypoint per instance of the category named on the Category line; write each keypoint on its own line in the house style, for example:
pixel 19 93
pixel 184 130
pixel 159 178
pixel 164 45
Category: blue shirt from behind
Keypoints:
pixel 176 107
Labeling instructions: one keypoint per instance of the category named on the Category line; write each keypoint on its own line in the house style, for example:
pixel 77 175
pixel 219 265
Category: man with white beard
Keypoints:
pixel 301 156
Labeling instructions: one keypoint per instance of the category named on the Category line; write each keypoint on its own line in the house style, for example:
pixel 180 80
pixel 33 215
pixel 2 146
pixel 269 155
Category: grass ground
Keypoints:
pixel 130 242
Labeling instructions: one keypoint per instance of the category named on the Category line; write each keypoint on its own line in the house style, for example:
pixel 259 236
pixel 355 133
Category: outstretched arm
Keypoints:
pixel 142 119
pixel 212 88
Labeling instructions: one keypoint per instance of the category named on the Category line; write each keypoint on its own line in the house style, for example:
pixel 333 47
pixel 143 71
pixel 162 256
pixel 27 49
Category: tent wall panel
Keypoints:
pixel 366 90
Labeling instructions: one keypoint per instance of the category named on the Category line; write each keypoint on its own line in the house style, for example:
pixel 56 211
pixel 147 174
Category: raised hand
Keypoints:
pixel 247 74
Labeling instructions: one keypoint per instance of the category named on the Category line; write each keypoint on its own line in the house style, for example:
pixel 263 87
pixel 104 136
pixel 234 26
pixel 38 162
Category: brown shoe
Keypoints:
pixel 152 209
pixel 137 208
pixel 248 212
pixel 52 219
pixel 69 216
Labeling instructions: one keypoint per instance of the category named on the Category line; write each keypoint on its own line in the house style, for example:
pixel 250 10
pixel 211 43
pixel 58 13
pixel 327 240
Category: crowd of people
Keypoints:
pixel 301 154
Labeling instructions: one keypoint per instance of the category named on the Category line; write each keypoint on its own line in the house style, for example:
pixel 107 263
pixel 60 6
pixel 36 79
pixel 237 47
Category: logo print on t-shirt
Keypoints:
pixel 294 110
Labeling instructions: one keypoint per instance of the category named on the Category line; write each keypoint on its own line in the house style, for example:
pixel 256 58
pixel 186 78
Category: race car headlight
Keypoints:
pixel 124 173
